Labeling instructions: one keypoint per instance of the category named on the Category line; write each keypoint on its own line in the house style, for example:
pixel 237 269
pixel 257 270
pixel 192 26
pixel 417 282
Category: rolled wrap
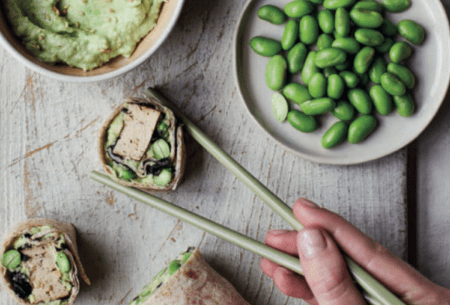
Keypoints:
pixel 70 250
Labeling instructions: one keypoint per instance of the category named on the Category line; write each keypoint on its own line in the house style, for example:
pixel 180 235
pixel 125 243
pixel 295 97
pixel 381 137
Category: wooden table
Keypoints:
pixel 48 136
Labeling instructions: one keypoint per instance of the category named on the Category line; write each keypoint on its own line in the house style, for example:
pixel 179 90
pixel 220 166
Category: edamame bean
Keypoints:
pixel 163 178
pixel 400 51
pixel 364 59
pixel 342 22
pixel 404 104
pixel 329 71
pixel 351 79
pixel 316 1
pixel 318 85
pixel 330 57
pixel 326 21
pixel 396 6
pixel 343 111
pixel 388 28
pixel 378 68
pixel 369 5
pixel 347 44
pixel 11 259
pixel 296 57
pixel 363 78
pixel 335 4
pixel 336 86
pixel 298 8
pixel 309 30
pixel 290 34
pixel 412 31
pixel 381 100
pixel 369 37
pixel 324 41
pixel 310 68
pixel 335 135
pixel 280 107
pixel 366 19
pixel 276 72
pixel 318 106
pixel 173 267
pixel 125 174
pixel 160 149
pixel 297 93
pixel 392 84
pixel 264 46
pixel 386 46
pixel 403 74
pixel 360 99
pixel 186 256
pixel 272 14
pixel 302 122
pixel 343 67
pixel 63 262
pixel 361 128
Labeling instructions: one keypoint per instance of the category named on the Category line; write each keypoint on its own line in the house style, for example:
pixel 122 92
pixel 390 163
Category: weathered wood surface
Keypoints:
pixel 48 138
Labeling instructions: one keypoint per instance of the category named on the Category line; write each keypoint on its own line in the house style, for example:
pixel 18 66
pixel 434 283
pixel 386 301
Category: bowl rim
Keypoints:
pixel 95 78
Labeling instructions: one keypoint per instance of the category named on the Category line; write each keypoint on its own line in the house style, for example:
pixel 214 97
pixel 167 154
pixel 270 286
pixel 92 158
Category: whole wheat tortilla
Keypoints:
pixel 196 283
pixel 68 232
pixel 180 156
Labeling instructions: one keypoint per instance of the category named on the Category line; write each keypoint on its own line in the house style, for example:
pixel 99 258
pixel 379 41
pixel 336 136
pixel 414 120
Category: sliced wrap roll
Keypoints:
pixel 40 263
pixel 142 145
pixel 189 280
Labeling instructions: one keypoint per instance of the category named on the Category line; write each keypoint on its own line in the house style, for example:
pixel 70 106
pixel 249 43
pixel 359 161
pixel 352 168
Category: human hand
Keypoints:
pixel 326 278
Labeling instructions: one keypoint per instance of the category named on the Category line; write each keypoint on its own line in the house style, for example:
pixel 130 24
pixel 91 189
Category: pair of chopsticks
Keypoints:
pixel 373 291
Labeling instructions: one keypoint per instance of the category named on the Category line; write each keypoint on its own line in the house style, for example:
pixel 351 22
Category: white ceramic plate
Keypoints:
pixel 430 63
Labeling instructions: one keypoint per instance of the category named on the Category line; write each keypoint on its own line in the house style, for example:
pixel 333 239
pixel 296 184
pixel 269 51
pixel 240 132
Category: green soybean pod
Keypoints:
pixel 400 51
pixel 318 106
pixel 298 8
pixel 344 111
pixel 335 4
pixel 272 14
pixel 310 68
pixel 276 72
pixel 326 21
pixel 377 69
pixel 335 135
pixel 403 74
pixel 388 28
pixel 296 57
pixel 351 79
pixel 318 85
pixel 369 37
pixel 329 71
pixel 366 19
pixel 264 46
pixel 386 46
pixel 330 57
pixel 297 93
pixel 290 34
pixel 361 128
pixel 396 6
pixel 302 121
pixel 324 41
pixel 369 5
pixel 392 84
pixel 404 104
pixel 360 99
pixel 336 86
pixel 347 44
pixel 364 59
pixel 342 22
pixel 309 30
pixel 381 100
pixel 412 31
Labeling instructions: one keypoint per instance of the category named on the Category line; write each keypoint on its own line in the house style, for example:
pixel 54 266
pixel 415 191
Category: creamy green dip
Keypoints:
pixel 81 33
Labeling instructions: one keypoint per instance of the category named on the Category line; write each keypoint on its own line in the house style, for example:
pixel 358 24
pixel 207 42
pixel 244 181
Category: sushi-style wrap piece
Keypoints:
pixel 142 145
pixel 40 263
pixel 189 280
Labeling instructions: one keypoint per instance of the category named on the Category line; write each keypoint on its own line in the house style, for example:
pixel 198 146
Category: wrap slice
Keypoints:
pixel 40 263
pixel 189 280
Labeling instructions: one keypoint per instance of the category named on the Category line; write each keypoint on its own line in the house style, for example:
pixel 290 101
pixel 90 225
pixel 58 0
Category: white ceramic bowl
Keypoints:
pixel 167 19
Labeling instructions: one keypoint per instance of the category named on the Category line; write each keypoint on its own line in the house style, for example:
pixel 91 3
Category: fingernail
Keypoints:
pixel 308 203
pixel 311 242
pixel 278 232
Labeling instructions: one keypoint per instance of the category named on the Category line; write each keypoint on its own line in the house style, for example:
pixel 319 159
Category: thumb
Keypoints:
pixel 325 270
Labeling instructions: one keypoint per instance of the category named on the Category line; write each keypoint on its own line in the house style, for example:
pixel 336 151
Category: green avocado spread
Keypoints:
pixel 81 33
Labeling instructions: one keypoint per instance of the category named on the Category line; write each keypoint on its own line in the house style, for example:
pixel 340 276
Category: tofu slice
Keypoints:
pixel 44 273
pixel 138 126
